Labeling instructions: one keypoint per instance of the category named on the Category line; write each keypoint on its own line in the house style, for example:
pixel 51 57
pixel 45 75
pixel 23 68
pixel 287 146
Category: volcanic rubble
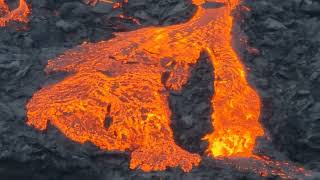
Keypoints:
pixel 279 44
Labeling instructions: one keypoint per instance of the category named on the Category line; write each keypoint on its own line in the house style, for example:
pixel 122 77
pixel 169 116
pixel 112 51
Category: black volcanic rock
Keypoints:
pixel 287 34
pixel 191 107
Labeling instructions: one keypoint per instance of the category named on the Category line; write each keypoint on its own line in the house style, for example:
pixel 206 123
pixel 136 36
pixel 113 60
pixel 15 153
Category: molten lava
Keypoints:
pixel 116 93
pixel 20 14
pixel 119 83
pixel 236 105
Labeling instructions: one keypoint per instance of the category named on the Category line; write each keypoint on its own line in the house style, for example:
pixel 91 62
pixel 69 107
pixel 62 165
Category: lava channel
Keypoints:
pixel 20 14
pixel 115 95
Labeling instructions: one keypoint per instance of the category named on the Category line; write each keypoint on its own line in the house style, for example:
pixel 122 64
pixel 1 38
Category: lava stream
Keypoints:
pixel 120 81
pixel 116 96
pixel 20 14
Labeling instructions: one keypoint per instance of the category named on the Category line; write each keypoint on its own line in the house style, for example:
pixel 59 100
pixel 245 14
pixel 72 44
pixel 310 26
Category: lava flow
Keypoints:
pixel 116 93
pixel 119 83
pixel 20 14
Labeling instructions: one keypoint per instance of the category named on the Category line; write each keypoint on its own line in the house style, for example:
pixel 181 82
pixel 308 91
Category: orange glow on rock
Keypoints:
pixel 20 14
pixel 116 98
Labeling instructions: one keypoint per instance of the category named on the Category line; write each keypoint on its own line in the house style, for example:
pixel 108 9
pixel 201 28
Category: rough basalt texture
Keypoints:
pixel 285 71
pixel 191 107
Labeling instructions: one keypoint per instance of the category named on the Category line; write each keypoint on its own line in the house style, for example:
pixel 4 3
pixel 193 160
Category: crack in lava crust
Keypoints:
pixel 121 81
pixel 20 14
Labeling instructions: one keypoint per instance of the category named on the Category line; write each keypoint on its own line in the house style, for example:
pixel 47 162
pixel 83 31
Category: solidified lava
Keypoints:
pixel 20 14
pixel 116 94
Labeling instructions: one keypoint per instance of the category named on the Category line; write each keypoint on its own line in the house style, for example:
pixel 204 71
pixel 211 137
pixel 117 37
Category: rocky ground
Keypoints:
pixel 281 51
pixel 286 72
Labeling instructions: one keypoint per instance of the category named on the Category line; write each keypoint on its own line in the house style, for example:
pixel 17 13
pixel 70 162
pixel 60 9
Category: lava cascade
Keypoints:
pixel 116 94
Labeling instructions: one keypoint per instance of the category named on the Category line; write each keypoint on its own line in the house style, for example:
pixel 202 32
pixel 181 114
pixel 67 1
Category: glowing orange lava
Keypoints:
pixel 116 96
pixel 236 105
pixel 20 14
